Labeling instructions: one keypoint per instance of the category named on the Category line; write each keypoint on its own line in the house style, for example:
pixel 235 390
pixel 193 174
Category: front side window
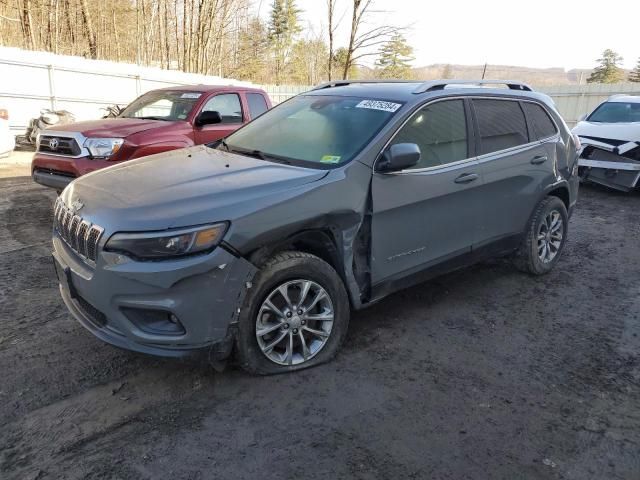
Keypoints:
pixel 162 105
pixel 543 126
pixel 616 112
pixel 313 129
pixel 440 130
pixel 501 124
pixel 227 105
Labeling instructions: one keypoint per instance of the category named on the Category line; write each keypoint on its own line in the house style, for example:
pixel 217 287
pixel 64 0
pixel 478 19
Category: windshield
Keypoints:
pixel 324 130
pixel 616 112
pixel 162 105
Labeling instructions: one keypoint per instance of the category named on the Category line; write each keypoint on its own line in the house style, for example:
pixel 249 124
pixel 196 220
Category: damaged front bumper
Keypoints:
pixel 615 166
pixel 172 308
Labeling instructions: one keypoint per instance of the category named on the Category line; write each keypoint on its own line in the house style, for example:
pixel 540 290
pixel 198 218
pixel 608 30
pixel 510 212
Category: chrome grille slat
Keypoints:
pixel 74 223
pixel 79 234
pixel 83 230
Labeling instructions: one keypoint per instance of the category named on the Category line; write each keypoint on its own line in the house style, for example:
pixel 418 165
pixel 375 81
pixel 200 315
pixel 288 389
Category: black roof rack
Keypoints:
pixel 342 83
pixel 433 85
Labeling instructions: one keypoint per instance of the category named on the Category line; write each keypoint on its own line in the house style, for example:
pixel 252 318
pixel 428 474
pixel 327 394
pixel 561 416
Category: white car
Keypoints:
pixel 610 137
pixel 7 140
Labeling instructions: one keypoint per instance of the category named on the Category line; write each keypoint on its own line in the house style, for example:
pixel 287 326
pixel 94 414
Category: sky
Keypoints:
pixel 542 34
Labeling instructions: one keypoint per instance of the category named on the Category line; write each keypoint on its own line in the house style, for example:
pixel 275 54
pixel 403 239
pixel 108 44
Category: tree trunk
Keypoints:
pixel 27 25
pixel 331 5
pixel 90 32
pixel 352 38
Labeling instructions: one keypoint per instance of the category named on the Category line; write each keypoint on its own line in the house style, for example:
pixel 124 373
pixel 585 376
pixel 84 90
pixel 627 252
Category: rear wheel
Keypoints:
pixel 545 237
pixel 295 315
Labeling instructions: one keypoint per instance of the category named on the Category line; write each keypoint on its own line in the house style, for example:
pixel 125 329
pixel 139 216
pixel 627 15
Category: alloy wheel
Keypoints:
pixel 550 236
pixel 294 322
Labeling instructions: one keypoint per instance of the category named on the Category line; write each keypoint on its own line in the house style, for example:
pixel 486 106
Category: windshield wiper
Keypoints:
pixel 258 154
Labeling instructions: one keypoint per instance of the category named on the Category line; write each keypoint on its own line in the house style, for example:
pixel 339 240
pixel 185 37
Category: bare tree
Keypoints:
pixel 361 42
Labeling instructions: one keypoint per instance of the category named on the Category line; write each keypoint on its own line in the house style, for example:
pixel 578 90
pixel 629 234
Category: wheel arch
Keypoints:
pixel 325 242
pixel 562 192
pixel 320 242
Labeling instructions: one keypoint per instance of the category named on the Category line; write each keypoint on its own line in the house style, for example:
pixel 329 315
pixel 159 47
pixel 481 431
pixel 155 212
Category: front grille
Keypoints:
pixel 81 236
pixel 59 145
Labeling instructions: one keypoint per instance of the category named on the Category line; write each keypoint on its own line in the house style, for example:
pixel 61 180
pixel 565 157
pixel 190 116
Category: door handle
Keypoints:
pixel 466 178
pixel 537 160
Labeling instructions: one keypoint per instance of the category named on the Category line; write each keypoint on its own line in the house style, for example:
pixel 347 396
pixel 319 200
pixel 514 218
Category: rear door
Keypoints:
pixel 514 166
pixel 429 213
pixel 229 105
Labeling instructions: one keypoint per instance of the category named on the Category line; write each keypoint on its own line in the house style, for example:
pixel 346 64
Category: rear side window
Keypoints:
pixel 440 130
pixel 257 104
pixel 542 124
pixel 501 124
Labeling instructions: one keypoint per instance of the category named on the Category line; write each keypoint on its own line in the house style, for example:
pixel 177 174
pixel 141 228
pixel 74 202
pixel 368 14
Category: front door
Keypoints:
pixel 429 213
pixel 229 106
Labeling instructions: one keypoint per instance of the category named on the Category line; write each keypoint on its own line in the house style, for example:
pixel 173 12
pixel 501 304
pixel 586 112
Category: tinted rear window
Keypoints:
pixel 542 124
pixel 257 104
pixel 501 124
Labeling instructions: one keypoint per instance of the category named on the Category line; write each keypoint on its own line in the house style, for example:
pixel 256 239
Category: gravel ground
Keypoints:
pixel 483 373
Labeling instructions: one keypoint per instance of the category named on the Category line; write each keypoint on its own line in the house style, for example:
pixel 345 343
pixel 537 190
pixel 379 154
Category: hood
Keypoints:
pixel 111 127
pixel 185 187
pixel 627 132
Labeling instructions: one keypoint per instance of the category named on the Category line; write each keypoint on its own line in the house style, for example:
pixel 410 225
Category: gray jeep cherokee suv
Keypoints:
pixel 263 242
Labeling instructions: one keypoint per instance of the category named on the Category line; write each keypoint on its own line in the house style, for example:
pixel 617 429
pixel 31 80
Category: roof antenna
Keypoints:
pixel 484 70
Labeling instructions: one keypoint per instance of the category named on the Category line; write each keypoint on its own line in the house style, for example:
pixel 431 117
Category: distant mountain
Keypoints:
pixel 534 76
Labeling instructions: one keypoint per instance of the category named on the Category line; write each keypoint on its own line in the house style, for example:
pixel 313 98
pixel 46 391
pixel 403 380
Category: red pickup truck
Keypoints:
pixel 158 121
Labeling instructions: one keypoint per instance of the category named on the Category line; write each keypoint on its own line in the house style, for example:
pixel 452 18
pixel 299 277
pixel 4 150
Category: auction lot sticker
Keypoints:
pixel 379 105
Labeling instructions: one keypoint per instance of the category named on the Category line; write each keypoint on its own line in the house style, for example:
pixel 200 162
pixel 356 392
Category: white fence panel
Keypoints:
pixel 31 81
pixel 573 101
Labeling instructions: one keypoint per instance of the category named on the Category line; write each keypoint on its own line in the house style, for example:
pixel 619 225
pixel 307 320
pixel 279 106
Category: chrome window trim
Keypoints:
pixel 395 134
pixel 77 136
pixel 478 158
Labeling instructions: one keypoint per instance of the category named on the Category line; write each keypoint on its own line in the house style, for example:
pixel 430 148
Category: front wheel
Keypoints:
pixel 545 237
pixel 295 315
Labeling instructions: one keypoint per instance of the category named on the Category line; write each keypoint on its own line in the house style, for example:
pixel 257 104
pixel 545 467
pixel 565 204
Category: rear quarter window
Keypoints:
pixel 501 124
pixel 542 124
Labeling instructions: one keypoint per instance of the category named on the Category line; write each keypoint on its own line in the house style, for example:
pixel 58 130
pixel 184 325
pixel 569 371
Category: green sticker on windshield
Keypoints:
pixel 330 159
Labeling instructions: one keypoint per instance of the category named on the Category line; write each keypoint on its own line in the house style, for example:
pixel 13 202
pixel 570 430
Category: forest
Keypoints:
pixel 215 37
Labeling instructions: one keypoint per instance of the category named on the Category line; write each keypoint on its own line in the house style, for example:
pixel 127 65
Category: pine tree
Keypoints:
pixel 395 58
pixel 283 28
pixel 634 76
pixel 608 70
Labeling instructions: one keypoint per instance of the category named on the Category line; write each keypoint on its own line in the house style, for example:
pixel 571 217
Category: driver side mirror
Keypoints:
pixel 208 118
pixel 399 157
pixel 582 118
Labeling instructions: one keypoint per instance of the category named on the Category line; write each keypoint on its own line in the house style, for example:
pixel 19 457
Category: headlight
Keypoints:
pixel 103 147
pixel 168 244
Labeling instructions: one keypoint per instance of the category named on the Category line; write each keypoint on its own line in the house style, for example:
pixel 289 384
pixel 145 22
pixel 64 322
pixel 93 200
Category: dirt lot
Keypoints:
pixel 484 373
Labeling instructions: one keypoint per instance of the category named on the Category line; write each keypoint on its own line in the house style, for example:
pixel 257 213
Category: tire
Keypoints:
pixel 531 257
pixel 294 272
